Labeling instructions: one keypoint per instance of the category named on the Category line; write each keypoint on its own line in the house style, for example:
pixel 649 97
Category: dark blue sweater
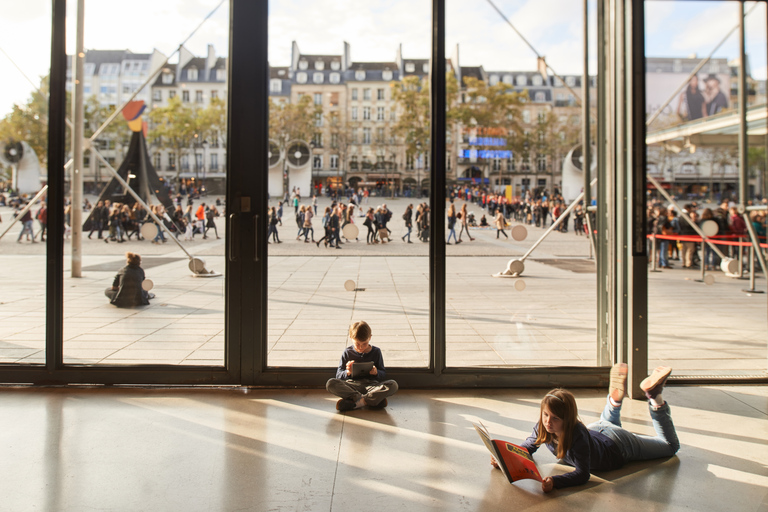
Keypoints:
pixel 374 355
pixel 590 451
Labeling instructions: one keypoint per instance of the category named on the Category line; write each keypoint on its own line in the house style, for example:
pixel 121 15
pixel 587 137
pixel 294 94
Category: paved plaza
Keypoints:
pixel 696 328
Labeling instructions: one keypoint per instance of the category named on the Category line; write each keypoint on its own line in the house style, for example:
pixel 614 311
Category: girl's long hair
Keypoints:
pixel 562 404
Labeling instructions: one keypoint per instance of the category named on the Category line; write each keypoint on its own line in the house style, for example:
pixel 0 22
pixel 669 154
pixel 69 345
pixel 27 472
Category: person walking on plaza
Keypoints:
pixel 42 218
pixel 371 389
pixel 210 221
pixel 272 229
pixel 334 225
pixel 501 223
pixel 463 217
pixel 408 218
pixel 200 216
pixel 300 221
pixel 98 219
pixel 27 227
pixel 451 224
pixel 370 223
pixel 386 216
pixel 308 214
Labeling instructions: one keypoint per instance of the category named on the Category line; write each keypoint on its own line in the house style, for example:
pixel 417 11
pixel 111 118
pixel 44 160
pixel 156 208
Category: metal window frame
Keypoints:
pixel 621 279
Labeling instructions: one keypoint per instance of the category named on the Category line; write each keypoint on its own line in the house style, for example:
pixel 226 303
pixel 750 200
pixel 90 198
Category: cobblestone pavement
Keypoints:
pixel 696 328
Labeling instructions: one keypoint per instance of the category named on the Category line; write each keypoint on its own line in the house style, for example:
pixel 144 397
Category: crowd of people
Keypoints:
pixel 667 222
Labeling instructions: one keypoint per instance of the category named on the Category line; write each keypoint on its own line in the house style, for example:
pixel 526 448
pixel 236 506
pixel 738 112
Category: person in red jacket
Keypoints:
pixel 200 215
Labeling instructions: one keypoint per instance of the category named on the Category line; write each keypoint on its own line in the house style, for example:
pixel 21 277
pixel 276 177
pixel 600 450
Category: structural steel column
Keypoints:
pixel 78 138
pixel 437 274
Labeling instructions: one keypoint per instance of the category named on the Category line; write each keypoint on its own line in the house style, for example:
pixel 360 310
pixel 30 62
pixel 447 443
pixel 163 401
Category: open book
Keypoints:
pixel 515 462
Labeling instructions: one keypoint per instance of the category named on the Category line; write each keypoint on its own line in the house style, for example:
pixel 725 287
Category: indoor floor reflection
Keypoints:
pixel 231 449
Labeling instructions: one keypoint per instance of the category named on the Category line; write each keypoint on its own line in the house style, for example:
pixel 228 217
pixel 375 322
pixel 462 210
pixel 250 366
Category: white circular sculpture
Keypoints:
pixel 349 285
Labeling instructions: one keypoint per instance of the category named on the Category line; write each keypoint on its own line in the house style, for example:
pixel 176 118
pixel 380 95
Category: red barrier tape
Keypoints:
pixel 714 240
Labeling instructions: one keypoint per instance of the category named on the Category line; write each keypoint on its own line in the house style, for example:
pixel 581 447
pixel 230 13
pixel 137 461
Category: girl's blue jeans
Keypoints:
pixel 637 446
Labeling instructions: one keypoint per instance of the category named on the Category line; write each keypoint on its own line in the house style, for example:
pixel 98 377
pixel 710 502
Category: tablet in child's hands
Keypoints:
pixel 361 369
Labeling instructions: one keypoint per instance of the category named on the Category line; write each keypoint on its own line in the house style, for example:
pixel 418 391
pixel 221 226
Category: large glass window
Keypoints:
pixel 520 273
pixel 362 267
pixel 23 200
pixel 706 301
pixel 130 220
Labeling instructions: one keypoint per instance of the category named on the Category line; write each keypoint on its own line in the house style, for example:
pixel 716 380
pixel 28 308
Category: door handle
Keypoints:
pixel 256 237
pixel 233 228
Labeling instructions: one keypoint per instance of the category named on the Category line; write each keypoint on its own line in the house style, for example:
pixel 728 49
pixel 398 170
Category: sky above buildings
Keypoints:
pixel 374 29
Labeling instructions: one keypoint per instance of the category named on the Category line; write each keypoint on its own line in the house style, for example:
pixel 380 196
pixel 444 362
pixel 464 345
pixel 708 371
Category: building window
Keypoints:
pixel 334 161
pixel 157 95
pixel 334 140
pixel 192 74
pixel 221 75
pixel 386 75
pixel 185 96
pixel 521 80
pixel 392 115
pixel 334 78
pixel 167 78
pixel 317 162
pixel 571 81
pixel 380 138
pixel 276 85
pixel 494 80
pixel 409 161
pixel 366 135
pixel 303 64
pixel 157 160
pixel 542 163
pixel 496 164
pixel 379 94
pixel 353 163
pixel 354 135
pixel 171 94
pixel 425 67
pixel 335 65
pixel 366 113
pixel 354 113
pixel 537 80
pixel 319 65
pixel 507 79
pixel 360 74
pixel 214 162
pixel 317 78
pixel 366 94
pixel 317 138
pixel 214 95
pixel 540 97
pixel 171 161
pixel 526 116
pixel 318 97
pixel 379 113
pixel 319 119
pixel 301 78
pixel 198 96
pixel 354 94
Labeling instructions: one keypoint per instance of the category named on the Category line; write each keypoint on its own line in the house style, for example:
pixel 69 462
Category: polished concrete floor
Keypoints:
pixel 131 449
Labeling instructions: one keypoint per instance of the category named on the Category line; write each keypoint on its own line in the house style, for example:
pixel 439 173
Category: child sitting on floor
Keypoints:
pixel 372 389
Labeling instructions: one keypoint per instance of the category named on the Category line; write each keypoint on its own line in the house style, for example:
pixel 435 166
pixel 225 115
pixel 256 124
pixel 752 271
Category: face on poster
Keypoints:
pixel 705 94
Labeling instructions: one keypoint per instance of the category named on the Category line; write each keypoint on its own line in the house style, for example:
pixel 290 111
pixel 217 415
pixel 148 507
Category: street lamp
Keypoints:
pixel 205 155
pixel 418 170
pixel 312 147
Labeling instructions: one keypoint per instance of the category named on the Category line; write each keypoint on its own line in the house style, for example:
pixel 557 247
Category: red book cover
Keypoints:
pixel 515 462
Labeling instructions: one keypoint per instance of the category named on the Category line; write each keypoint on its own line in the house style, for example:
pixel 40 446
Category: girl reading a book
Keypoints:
pixel 603 445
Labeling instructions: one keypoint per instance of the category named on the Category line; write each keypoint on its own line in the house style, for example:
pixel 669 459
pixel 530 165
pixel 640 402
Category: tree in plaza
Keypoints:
pixel 342 140
pixel 411 129
pixel 555 137
pixel 491 107
pixel 174 127
pixel 29 123
pixel 211 122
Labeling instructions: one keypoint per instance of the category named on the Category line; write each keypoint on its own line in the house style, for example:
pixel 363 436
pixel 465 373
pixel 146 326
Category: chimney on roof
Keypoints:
pixel 210 62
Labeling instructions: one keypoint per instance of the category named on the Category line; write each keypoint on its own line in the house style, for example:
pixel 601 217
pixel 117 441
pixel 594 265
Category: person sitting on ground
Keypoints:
pixel 371 390
pixel 603 445
pixel 126 290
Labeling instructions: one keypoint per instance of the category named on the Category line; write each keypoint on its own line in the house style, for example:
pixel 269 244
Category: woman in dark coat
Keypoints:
pixel 126 290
